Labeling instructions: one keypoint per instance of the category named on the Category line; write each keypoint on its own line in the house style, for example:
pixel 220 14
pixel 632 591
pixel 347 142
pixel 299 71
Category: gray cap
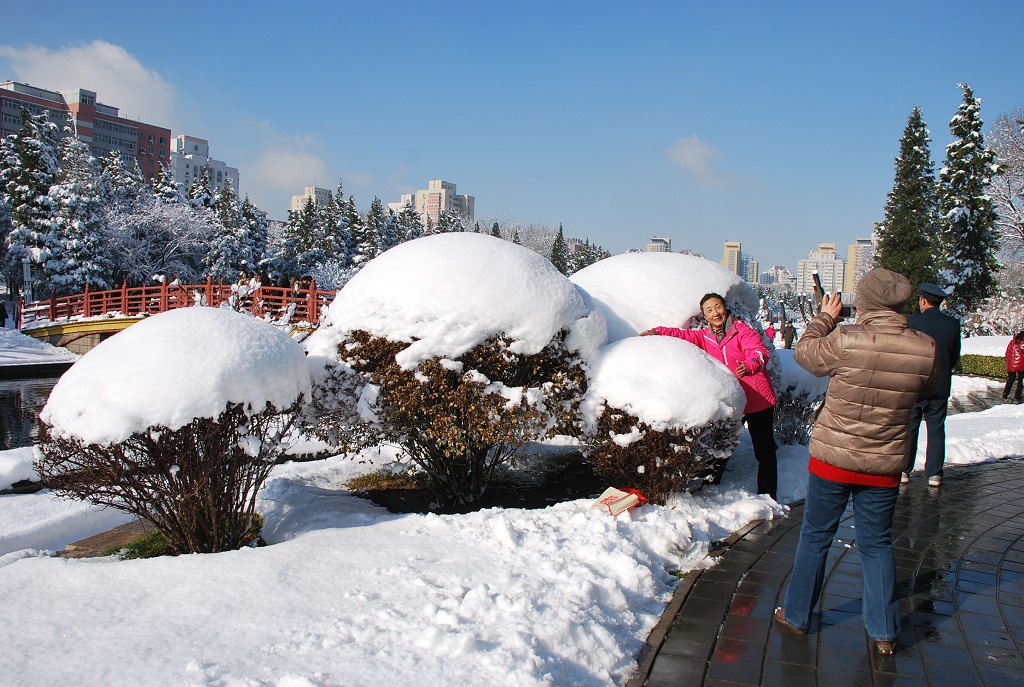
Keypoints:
pixel 932 292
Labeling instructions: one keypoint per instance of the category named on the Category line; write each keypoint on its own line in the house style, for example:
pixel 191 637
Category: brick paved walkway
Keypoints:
pixel 960 576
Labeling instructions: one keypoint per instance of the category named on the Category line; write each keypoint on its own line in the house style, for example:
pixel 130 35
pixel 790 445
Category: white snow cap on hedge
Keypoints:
pixel 637 291
pixel 172 368
pixel 664 381
pixel 448 293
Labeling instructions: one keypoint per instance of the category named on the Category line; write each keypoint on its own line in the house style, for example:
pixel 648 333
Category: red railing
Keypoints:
pixel 297 304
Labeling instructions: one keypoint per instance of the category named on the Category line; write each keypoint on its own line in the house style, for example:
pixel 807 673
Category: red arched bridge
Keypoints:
pixel 91 316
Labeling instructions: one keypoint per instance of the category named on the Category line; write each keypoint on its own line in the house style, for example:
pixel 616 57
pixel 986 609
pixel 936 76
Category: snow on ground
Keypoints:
pixel 21 349
pixel 348 594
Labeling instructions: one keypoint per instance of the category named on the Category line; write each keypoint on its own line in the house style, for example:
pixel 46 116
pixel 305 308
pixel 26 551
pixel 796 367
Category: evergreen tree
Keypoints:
pixel 165 188
pixel 449 222
pixel 907 238
pixel 560 253
pixel 200 195
pixel 515 237
pixel 303 240
pixel 257 230
pixel 123 186
pixel 78 251
pixel 495 231
pixel 340 244
pixel 968 235
pixel 369 246
pixel 390 235
pixel 231 248
pixel 32 170
pixel 409 226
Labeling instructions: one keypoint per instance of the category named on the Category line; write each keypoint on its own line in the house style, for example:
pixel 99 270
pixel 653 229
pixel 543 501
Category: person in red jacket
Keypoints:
pixel 741 349
pixel 1014 366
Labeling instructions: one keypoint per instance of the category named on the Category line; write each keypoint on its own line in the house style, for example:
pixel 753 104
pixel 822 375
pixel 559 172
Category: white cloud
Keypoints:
pixel 116 76
pixel 697 159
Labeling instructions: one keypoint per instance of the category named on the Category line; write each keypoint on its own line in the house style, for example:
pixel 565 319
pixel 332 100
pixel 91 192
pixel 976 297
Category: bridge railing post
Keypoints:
pixel 123 306
pixel 86 305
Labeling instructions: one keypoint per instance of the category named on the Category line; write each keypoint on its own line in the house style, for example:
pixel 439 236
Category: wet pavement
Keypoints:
pixel 960 578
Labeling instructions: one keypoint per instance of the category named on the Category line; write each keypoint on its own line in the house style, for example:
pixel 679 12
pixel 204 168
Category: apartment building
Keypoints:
pixel 659 245
pixel 860 257
pixel 96 124
pixel 439 197
pixel 190 158
pixel 320 196
pixel 831 269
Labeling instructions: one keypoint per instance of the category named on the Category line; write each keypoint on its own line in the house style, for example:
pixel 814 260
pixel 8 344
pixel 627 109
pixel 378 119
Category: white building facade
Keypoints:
pixel 320 196
pixel 190 157
pixel 439 197
pixel 831 269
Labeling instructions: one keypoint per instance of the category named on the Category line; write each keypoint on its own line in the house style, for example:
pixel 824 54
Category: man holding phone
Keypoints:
pixel 946 332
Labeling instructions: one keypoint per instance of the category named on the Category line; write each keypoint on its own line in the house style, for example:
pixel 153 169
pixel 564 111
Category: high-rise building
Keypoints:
pixel 735 260
pixel 190 157
pixel 831 269
pixel 95 124
pixel 859 259
pixel 731 259
pixel 659 245
pixel 438 197
pixel 320 196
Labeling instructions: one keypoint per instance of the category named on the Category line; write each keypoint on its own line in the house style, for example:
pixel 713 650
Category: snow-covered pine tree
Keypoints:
pixel 373 226
pixel 165 188
pixel 1006 140
pixel 409 226
pixel 200 195
pixel 515 237
pixel 560 253
pixel 968 237
pixel 390 234
pixel 33 170
pixel 78 249
pixel 257 232
pixel 496 230
pixel 122 184
pixel 230 250
pixel 907 238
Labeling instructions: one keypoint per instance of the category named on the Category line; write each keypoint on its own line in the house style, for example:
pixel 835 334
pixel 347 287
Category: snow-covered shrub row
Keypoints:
pixel 660 412
pixel 178 420
pixel 458 347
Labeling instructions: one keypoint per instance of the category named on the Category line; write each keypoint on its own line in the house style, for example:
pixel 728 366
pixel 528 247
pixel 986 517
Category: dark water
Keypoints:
pixel 20 403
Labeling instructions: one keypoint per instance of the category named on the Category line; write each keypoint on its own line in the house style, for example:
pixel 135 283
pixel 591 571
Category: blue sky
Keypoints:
pixel 775 124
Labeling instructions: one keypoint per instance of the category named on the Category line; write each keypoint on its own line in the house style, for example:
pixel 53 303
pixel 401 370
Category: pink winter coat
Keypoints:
pixel 740 344
pixel 1014 356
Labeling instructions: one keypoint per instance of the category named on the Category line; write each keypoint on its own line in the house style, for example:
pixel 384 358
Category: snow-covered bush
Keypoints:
pixel 797 399
pixel 458 347
pixel 178 420
pixel 661 415
pixel 655 434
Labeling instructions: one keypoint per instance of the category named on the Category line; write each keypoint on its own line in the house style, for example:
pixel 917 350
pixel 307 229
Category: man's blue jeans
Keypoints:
pixel 873 509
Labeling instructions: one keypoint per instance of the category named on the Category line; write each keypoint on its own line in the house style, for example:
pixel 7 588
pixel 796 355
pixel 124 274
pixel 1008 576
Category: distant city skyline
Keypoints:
pixel 775 125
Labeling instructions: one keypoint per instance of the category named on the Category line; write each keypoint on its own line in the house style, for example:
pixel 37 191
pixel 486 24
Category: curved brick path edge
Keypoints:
pixel 960 578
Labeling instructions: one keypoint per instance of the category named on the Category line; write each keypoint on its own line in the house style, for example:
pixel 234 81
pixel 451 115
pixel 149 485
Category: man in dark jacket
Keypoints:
pixel 878 370
pixel 946 332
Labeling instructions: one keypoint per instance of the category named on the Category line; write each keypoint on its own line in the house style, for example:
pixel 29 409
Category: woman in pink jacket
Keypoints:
pixel 1014 366
pixel 734 344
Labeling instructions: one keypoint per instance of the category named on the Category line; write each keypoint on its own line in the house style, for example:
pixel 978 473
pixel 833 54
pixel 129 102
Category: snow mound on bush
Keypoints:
pixel 798 381
pixel 637 291
pixel 172 368
pixel 663 381
pixel 447 293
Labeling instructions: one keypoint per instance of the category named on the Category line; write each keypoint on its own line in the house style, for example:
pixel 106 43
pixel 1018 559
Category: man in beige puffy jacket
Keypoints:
pixel 879 368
